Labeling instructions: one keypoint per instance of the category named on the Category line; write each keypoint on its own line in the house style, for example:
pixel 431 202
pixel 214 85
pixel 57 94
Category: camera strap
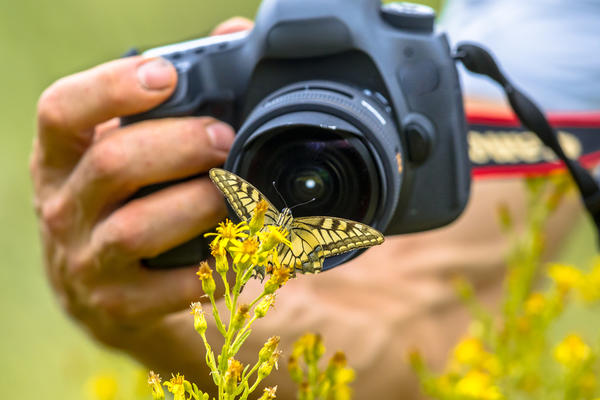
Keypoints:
pixel 478 60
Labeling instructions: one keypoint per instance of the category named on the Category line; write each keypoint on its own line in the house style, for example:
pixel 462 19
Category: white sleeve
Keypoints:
pixel 551 49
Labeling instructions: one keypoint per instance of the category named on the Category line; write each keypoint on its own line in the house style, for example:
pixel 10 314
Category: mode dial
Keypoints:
pixel 409 16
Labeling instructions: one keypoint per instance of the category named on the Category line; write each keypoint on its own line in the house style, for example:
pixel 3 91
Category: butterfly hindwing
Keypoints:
pixel 314 238
pixel 306 252
pixel 241 195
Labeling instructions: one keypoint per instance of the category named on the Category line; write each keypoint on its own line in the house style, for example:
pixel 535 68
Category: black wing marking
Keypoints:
pixel 241 195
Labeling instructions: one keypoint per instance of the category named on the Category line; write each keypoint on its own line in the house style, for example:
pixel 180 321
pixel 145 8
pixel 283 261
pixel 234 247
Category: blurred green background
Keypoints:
pixel 43 353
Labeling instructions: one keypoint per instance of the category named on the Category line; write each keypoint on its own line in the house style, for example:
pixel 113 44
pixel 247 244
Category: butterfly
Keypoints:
pixel 312 238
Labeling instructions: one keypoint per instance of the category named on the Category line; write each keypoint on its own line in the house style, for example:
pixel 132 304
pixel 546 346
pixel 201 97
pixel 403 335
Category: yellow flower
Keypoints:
pixel 103 387
pixel 470 351
pixel 228 232
pixel 566 277
pixel 177 386
pixel 245 251
pixel 154 383
pixel 258 219
pixel 477 385
pixel 311 346
pixel 273 236
pixel 590 288
pixel 337 371
pixel 572 351
pixel 535 304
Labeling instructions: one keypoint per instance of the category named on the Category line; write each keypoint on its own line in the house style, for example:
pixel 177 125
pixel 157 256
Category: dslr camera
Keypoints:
pixel 353 103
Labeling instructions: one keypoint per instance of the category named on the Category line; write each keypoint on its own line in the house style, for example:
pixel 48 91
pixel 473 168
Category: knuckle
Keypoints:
pixel 50 113
pixel 55 214
pixel 112 303
pixel 105 161
pixel 118 237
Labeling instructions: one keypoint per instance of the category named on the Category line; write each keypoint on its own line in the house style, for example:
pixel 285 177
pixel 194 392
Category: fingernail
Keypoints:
pixel 156 74
pixel 221 135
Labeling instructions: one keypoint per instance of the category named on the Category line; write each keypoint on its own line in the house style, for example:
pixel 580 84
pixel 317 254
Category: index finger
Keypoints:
pixel 70 108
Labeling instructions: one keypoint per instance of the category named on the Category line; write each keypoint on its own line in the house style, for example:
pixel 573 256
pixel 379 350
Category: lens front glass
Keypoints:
pixel 332 167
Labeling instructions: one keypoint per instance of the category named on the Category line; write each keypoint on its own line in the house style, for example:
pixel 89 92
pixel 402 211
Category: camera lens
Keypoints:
pixel 325 141
pixel 306 163
pixel 309 184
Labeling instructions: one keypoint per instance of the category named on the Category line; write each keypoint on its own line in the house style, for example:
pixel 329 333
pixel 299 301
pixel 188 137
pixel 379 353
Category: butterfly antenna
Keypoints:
pixel 303 204
pixel 280 196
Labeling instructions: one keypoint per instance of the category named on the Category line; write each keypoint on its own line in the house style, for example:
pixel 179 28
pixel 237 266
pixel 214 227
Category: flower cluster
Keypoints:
pixel 244 250
pixel 517 355
pixel 332 383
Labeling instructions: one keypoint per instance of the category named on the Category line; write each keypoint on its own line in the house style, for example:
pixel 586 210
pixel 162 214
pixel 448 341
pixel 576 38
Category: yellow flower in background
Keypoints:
pixel 102 387
pixel 566 277
pixel 477 385
pixel 572 351
pixel 470 351
pixel 535 304
pixel 590 287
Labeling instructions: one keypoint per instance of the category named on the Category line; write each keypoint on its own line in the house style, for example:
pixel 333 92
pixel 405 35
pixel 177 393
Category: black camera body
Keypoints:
pixel 353 103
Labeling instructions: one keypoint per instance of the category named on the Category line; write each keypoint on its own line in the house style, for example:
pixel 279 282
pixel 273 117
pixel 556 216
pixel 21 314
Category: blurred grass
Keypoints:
pixel 43 354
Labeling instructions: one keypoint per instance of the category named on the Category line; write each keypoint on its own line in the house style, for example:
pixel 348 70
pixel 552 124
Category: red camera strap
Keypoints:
pixel 499 146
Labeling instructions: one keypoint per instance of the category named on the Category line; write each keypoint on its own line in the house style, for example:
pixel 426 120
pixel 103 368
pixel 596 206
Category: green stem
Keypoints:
pixel 259 298
pixel 213 366
pixel 216 315
pixel 226 284
pixel 243 330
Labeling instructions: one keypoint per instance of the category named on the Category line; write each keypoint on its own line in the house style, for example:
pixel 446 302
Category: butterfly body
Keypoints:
pixel 312 238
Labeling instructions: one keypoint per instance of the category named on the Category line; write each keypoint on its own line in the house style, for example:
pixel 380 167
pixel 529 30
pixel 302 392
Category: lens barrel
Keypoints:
pixel 327 141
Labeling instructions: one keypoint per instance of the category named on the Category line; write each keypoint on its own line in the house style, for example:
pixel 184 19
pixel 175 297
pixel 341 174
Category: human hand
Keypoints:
pixel 84 167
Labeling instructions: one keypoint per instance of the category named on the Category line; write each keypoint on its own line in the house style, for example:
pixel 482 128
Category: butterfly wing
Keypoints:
pixel 314 238
pixel 241 195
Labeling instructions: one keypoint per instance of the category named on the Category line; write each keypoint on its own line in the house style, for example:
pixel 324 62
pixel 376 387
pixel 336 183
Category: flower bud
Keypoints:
pixel 199 320
pixel 233 374
pixel 154 383
pixel 266 367
pixel 279 277
pixel 258 219
pixel 205 275
pixel 220 255
pixel 263 307
pixel 240 317
pixel 294 369
pixel 269 393
pixel 268 348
